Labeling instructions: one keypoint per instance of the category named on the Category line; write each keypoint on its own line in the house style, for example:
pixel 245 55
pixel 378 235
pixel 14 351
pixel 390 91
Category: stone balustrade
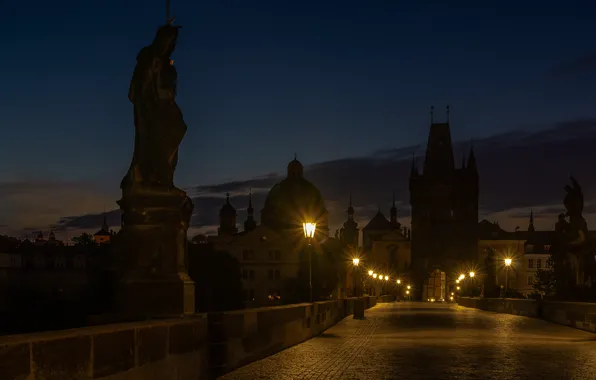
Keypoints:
pixel 202 346
pixel 579 315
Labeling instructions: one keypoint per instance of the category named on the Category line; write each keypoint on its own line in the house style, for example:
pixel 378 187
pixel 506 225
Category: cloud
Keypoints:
pixel 519 170
pixel 28 206
pixel 580 65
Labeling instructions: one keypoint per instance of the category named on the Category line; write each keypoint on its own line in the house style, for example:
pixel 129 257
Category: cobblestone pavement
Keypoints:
pixel 408 340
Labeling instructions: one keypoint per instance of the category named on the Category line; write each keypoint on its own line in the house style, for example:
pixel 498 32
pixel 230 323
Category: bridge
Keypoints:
pixel 413 340
pixel 321 340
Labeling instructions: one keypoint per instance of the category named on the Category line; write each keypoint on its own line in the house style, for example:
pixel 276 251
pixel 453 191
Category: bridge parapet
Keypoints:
pixel 579 315
pixel 194 347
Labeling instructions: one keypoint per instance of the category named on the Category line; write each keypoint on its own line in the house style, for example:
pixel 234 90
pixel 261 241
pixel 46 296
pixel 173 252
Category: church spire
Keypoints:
pixel 350 210
pixel 104 224
pixel 250 223
pixel 414 168
pixel 472 161
pixel 393 213
pixel 531 225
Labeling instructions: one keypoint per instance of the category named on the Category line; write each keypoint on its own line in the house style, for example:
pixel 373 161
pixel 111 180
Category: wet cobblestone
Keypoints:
pixel 434 341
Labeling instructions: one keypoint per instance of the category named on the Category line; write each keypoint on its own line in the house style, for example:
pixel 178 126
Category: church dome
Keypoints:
pixel 294 201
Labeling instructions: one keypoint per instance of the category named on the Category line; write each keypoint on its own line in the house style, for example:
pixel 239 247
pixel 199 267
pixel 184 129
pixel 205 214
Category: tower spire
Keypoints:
pixel 413 169
pixel 531 225
pixel 393 213
pixel 249 223
pixel 350 209
pixel 472 160
pixel 432 109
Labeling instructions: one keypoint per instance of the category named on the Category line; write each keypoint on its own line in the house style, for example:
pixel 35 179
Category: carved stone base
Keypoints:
pixel 151 256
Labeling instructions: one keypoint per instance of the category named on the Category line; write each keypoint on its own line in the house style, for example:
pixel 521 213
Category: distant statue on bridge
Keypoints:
pixel 159 125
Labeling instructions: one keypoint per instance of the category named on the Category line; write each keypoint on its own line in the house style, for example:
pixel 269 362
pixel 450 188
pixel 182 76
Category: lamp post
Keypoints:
pixel 309 233
pixel 355 262
pixel 507 265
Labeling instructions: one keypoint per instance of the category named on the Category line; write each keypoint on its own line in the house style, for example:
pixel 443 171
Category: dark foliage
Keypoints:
pixel 217 278
pixel 325 276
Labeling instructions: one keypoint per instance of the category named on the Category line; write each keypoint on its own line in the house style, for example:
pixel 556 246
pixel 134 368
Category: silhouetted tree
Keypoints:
pixel 545 280
pixel 85 240
pixel 217 278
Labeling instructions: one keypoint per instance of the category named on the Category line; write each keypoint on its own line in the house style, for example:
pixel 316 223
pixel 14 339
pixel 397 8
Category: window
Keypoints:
pixel 538 263
pixel 271 274
pixel 277 255
pixel 251 274
pixel 530 280
pixel 251 294
pixel 277 274
pixel 530 263
pixel 270 255
pixel 244 274
pixel 245 254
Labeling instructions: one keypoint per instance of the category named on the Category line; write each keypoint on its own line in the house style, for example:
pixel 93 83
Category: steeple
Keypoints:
pixel 393 211
pixel 104 224
pixel 472 161
pixel 250 223
pixel 439 159
pixel 414 168
pixel 531 225
pixel 349 232
pixel 350 210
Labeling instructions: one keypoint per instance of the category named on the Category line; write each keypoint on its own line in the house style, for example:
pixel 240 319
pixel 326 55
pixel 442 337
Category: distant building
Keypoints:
pixel 104 235
pixel 270 253
pixel 386 244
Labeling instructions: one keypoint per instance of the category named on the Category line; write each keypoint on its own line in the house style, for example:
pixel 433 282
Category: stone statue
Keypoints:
pixel 159 125
pixel 574 200
pixel 151 247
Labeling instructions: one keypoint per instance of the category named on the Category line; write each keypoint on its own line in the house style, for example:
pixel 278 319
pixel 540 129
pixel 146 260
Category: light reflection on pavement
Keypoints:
pixel 410 340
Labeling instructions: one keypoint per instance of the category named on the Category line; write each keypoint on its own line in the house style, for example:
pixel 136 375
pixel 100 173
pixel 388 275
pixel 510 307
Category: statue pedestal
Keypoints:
pixel 151 256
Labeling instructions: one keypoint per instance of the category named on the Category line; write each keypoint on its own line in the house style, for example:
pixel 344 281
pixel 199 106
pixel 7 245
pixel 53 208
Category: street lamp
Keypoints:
pixel 386 278
pixel 409 287
pixel 398 281
pixel 472 274
pixel 507 265
pixel 374 275
pixel 370 272
pixel 355 262
pixel 309 233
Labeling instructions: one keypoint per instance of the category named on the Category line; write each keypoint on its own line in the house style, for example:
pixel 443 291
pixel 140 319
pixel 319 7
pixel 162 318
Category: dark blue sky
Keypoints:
pixel 261 80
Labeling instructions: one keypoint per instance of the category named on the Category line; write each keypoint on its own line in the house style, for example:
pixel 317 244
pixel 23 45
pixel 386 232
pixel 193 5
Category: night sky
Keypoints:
pixel 261 80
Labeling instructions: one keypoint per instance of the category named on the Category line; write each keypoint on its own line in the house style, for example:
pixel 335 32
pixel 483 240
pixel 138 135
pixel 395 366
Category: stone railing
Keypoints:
pixel 386 299
pixel 167 349
pixel 198 347
pixel 578 315
pixel 240 337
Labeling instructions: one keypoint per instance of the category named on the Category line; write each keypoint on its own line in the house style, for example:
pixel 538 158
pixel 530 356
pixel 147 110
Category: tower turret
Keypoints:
pixel 349 232
pixel 227 218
